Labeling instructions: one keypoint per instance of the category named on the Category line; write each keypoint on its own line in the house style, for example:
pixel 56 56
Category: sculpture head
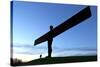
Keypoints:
pixel 51 27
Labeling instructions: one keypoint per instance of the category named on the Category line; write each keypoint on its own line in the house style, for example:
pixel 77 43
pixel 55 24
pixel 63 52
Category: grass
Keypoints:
pixel 55 60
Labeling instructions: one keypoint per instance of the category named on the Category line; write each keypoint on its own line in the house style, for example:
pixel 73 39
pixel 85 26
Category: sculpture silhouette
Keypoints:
pixel 66 25
pixel 50 39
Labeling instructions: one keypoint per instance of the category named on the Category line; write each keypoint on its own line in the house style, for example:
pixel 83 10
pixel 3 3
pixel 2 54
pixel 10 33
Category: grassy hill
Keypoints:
pixel 54 60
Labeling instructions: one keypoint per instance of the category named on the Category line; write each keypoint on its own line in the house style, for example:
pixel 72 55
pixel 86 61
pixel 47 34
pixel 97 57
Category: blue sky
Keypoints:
pixel 32 19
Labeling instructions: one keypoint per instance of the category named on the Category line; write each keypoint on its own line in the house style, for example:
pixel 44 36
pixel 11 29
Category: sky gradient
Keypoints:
pixel 32 19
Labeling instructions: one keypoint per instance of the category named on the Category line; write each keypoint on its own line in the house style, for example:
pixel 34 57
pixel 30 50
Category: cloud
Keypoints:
pixel 59 51
pixel 42 49
pixel 57 48
pixel 77 49
pixel 28 46
pixel 28 49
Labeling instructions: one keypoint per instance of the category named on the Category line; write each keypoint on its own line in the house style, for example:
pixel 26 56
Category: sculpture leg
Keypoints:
pixel 49 48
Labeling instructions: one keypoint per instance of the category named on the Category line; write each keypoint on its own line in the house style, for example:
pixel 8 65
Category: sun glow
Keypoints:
pixel 25 57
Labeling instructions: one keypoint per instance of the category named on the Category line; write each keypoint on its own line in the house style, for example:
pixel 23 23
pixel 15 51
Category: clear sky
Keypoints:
pixel 32 19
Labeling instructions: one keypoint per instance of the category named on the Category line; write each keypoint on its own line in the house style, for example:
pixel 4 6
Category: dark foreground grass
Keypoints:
pixel 54 60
